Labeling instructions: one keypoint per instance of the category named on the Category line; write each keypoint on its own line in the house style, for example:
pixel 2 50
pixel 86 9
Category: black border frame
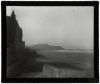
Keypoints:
pixel 95 4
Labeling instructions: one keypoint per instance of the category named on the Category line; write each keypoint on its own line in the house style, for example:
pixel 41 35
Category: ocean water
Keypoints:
pixel 79 58
pixel 62 64
pixel 72 51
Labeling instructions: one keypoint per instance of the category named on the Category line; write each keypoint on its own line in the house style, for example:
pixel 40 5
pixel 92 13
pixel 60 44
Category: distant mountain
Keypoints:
pixel 46 47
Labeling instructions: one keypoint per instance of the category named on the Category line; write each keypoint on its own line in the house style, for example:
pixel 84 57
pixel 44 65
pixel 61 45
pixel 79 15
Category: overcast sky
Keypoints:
pixel 66 26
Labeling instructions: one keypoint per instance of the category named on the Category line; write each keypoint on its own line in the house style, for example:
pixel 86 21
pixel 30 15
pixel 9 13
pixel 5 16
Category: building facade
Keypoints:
pixel 15 45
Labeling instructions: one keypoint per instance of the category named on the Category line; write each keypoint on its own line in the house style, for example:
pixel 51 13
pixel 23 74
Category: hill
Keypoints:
pixel 46 47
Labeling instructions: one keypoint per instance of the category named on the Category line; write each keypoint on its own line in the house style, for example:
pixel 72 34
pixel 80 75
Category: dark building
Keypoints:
pixel 15 45
pixel 20 60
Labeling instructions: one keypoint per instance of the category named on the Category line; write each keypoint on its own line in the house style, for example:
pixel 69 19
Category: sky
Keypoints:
pixel 68 26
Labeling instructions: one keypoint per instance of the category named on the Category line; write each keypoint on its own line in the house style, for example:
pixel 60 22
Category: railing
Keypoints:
pixel 53 72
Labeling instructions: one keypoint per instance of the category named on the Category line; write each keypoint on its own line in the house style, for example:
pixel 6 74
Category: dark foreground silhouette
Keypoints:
pixel 25 65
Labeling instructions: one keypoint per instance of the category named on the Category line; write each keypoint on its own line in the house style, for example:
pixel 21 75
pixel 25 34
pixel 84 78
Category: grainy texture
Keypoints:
pixel 50 71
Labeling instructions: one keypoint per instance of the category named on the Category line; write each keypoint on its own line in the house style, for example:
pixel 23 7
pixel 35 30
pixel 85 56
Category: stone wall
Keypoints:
pixel 53 72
